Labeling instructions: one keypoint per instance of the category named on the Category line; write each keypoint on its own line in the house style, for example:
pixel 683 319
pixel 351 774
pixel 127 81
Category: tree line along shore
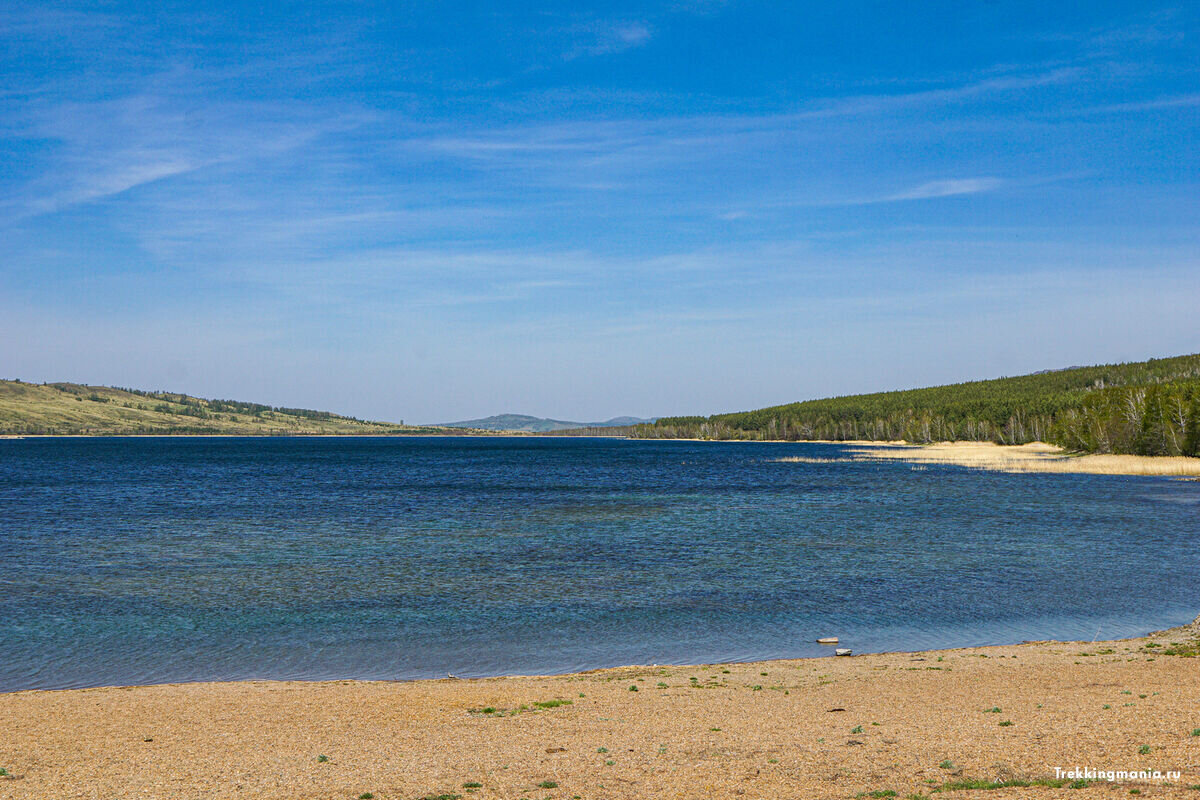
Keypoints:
pixel 1147 408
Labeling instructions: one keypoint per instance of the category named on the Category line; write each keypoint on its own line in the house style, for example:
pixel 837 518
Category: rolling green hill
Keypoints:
pixel 75 409
pixel 1149 407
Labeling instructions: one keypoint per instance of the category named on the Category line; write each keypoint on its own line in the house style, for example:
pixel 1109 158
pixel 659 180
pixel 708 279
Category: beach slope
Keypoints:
pixel 908 723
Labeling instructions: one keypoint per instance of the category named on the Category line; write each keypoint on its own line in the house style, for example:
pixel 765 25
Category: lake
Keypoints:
pixel 149 560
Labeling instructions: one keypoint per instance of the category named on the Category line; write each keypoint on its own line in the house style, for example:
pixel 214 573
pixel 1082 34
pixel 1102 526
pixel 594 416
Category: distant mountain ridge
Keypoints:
pixel 528 424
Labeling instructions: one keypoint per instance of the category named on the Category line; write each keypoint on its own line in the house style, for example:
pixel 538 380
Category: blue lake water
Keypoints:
pixel 128 561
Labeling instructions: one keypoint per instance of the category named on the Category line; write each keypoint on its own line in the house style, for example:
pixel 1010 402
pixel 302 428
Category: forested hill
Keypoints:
pixel 75 409
pixel 1149 407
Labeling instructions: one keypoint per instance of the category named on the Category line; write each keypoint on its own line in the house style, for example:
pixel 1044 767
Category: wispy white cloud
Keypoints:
pixel 675 133
pixel 948 188
pixel 1150 30
pixel 1157 104
pixel 109 147
pixel 111 177
pixel 604 38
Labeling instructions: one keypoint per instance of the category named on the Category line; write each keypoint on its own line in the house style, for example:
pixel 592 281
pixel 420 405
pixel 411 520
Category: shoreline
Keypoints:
pixel 827 727
pixel 1186 630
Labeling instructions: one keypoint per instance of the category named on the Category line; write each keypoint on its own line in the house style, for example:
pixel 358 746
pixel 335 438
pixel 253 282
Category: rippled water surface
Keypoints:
pixel 149 560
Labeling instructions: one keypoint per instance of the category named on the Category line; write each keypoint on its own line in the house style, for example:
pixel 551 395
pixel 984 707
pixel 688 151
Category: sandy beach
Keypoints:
pixel 832 727
pixel 1034 457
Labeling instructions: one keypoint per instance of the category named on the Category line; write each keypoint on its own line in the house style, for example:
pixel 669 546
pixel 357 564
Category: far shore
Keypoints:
pixel 1035 457
pixel 1000 719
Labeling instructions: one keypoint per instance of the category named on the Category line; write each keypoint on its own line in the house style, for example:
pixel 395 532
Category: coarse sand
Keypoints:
pixel 811 728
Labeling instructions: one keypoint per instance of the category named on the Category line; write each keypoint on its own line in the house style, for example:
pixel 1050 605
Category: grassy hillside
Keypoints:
pixel 1150 407
pixel 70 408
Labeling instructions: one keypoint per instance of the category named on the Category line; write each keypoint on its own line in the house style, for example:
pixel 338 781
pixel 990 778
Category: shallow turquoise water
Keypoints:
pixel 151 560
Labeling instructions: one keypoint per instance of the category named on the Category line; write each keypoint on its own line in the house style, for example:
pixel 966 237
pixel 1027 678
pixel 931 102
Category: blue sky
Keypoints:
pixel 434 211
